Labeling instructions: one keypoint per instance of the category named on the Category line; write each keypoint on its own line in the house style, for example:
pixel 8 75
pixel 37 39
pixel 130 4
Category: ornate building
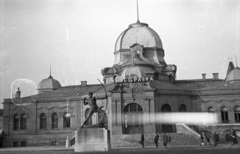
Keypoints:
pixel 139 84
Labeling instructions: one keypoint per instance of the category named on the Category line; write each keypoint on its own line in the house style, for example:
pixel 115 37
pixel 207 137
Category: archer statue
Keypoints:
pixel 91 101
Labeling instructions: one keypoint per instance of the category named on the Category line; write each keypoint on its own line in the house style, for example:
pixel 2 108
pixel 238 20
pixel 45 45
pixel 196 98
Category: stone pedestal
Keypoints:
pixel 92 139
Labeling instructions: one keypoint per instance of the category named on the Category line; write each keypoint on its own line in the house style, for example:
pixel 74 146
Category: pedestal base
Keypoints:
pixel 92 139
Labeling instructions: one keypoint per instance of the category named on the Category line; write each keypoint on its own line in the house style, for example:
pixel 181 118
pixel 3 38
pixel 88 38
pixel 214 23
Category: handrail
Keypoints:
pixel 190 129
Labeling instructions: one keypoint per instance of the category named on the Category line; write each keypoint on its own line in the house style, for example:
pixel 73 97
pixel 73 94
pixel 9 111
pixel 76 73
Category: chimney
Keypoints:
pixel 204 76
pixel 83 83
pixel 215 76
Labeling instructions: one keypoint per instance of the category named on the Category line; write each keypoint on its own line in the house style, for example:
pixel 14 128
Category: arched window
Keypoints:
pixel 133 107
pixel 133 114
pixel 171 78
pixel 23 122
pixel 182 108
pixel 155 76
pixel 16 122
pixel 66 120
pixel 211 110
pixel 43 121
pixel 237 113
pixel 166 108
pixel 167 127
pixel 54 120
pixel 224 114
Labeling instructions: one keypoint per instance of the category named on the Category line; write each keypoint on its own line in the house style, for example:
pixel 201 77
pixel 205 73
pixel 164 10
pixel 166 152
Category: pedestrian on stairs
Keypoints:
pixel 142 139
pixel 169 139
pixel 234 137
pixel 215 137
pixel 156 139
pixel 165 139
pixel 203 139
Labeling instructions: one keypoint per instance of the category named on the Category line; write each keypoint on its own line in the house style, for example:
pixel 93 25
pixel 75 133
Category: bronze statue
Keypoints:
pixel 92 102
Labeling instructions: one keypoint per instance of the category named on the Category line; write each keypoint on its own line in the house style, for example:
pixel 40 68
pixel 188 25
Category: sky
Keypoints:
pixel 77 38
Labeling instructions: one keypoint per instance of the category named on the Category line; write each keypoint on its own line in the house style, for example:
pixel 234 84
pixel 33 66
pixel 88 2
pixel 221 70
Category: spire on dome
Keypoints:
pixel 137 13
pixel 236 61
pixel 230 68
pixel 50 73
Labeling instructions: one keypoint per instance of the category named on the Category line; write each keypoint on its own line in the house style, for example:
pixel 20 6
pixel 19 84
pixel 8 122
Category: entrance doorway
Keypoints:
pixel 166 127
pixel 133 114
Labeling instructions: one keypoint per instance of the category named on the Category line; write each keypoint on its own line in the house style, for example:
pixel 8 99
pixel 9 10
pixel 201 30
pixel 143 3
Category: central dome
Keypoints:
pixel 138 33
pixel 234 75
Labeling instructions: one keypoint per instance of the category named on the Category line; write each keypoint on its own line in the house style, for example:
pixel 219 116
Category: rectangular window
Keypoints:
pixel 16 124
pixel 224 116
pixel 43 123
pixel 15 144
pixel 54 143
pixel 23 124
pixel 23 144
pixel 237 117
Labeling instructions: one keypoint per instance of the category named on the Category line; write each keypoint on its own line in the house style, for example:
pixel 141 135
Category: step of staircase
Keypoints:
pixel 132 140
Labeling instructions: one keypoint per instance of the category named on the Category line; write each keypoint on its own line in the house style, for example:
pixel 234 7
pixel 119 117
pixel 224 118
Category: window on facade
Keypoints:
pixel 66 120
pixel 43 121
pixel 23 122
pixel 54 120
pixel 16 122
pixel 182 108
pixel 23 144
pixel 237 113
pixel 54 143
pixel 211 110
pixel 166 108
pixel 15 144
pixel 155 76
pixel 224 114
pixel 133 107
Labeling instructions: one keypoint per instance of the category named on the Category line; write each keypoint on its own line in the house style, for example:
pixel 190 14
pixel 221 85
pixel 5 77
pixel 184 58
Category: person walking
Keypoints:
pixel 165 139
pixel 142 139
pixel 169 139
pixel 234 137
pixel 203 138
pixel 215 138
pixel 156 138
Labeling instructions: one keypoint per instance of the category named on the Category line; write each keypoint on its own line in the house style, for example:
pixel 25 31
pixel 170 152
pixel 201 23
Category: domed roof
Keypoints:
pixel 48 84
pixel 234 75
pixel 138 33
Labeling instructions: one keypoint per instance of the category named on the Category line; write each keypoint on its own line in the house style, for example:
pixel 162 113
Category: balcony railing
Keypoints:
pixel 225 121
pixel 237 120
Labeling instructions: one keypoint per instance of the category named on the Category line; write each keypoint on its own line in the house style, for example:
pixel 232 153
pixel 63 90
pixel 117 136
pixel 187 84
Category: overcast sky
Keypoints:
pixel 77 37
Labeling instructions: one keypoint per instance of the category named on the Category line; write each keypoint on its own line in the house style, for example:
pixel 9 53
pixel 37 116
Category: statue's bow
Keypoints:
pixel 106 96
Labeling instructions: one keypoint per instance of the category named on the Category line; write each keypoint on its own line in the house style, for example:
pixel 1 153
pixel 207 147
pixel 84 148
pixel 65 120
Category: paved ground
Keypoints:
pixel 222 148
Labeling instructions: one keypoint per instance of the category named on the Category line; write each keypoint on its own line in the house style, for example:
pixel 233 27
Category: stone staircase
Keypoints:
pixel 132 140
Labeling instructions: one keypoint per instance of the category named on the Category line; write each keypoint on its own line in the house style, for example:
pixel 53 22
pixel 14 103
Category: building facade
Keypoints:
pixel 139 85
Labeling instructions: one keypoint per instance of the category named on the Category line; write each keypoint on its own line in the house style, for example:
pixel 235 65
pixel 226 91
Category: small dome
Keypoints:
pixel 234 75
pixel 138 33
pixel 48 84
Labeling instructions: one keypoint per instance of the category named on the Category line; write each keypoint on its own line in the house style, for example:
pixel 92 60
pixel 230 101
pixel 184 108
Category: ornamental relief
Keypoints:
pixel 20 110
